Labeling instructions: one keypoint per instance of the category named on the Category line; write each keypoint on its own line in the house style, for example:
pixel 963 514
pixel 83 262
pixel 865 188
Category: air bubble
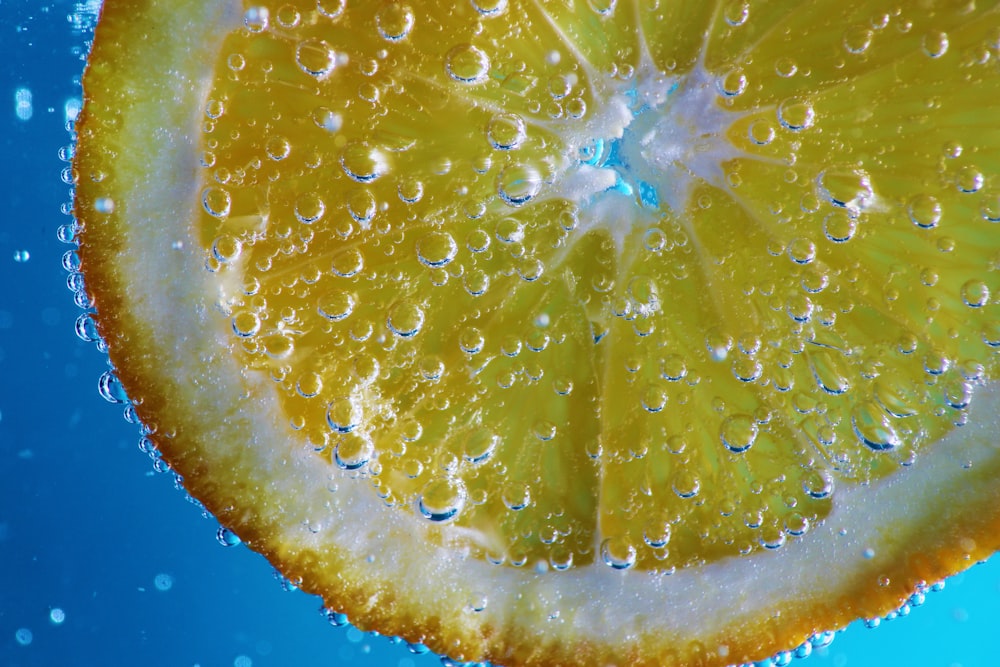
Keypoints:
pixel 738 433
pixel 845 187
pixel 442 499
pixel 405 319
pixel 363 163
pixel 278 148
pixel 505 131
pixel 331 9
pixel 246 324
pixel 975 293
pixel 857 39
pixel 343 414
pixel 394 21
pixel 480 445
pixel 969 179
pixel 818 484
pixel 471 340
pixel 226 537
pixel 362 206
pixel 935 43
pixel 24 636
pixel 436 249
pixel 490 7
pixel 309 207
pixel 216 201
pixel 761 132
pixel 840 226
pixel 686 484
pixel 256 19
pixel 618 553
pixel 226 248
pixel 801 251
pixel 732 84
pixel 796 114
pixel 518 184
pixel 111 389
pixel 466 63
pixel 873 426
pixel 348 263
pixel 516 496
pixel 316 58
pixel 353 451
pixel 336 305
pixel 736 12
pixel 476 282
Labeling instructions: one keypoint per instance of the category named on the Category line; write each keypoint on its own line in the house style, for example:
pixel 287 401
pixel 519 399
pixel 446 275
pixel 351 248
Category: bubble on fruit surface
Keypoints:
pixel 738 433
pixel 316 58
pixel 309 207
pixel 362 162
pixel 405 319
pixel 467 64
pixel 490 7
pixel 505 131
pixel 216 201
pixel 618 553
pixel 518 184
pixel 935 43
pixel 480 445
pixel 873 426
pixel 975 293
pixel 336 305
pixel 343 414
pixel 353 451
pixel 436 249
pixel 796 114
pixel 348 263
pixel 845 187
pixel 442 499
pixel 394 21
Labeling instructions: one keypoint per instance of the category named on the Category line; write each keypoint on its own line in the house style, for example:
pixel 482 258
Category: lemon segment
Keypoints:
pixel 524 329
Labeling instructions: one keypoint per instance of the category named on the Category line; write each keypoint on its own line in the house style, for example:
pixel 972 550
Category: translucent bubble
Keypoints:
pixel 738 433
pixel 246 324
pixel 466 63
pixel 256 19
pixel 410 190
pixel 111 389
pixel 840 226
pixel 362 206
pixel 935 43
pixel 442 499
pixel 309 207
pixel 736 12
pixel 603 7
pixel 331 9
pixel 344 414
pixel 480 445
pixel 363 163
pixel 686 484
pixel 336 305
pixel 506 131
pixel 316 58
pixel 471 340
pixel 226 537
pixel 405 319
pixel 969 179
pixel 57 616
pixel 24 636
pixel 353 451
pixel 163 582
pixel 86 328
pixel 654 399
pixel 226 248
pixel 476 282
pixel 761 132
pixel 673 367
pixel 436 249
pixel 394 21
pixel 818 484
pixel 857 39
pixel 490 7
pixel 309 384
pixel 873 426
pixel 796 114
pixel 348 263
pixel 216 201
pixel 801 251
pixel 845 187
pixel 975 293
pixel 518 184
pixel 516 496
pixel 732 84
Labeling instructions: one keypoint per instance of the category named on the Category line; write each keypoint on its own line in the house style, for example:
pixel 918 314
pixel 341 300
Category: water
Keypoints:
pixel 102 561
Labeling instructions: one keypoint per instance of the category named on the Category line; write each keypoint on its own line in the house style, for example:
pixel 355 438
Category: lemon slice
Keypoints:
pixel 562 332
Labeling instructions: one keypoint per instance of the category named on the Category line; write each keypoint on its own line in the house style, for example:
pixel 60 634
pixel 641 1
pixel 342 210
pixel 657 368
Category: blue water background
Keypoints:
pixel 102 561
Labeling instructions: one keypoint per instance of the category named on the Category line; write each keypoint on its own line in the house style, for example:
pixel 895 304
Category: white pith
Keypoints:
pixel 326 510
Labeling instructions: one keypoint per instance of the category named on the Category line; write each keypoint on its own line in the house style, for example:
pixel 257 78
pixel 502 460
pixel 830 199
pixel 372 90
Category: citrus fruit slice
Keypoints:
pixel 562 332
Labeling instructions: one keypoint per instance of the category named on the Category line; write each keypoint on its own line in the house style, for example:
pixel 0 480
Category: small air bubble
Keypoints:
pixel 467 64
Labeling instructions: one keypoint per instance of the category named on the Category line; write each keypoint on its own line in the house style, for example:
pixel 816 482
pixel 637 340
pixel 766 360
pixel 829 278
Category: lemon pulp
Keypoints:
pixel 640 288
